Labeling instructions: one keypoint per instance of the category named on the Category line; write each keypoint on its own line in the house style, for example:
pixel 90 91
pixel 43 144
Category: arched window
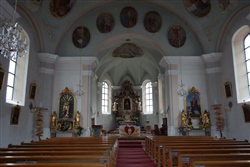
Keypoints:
pixel 147 97
pixel 17 77
pixel 105 98
pixel 241 60
pixel 247 58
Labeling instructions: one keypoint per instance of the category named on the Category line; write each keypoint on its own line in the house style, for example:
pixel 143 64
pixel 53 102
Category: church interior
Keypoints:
pixel 124 69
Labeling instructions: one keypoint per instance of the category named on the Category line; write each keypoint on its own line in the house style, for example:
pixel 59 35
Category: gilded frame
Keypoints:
pixel 246 112
pixel 228 89
pixel 15 115
pixel 193 103
pixel 33 88
pixel 2 77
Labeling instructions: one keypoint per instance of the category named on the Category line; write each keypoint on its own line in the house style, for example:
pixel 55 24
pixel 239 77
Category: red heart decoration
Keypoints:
pixel 129 129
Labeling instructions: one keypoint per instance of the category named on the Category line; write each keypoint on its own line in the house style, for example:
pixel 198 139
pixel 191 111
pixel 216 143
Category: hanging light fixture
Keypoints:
pixel 79 91
pixel 12 44
pixel 182 91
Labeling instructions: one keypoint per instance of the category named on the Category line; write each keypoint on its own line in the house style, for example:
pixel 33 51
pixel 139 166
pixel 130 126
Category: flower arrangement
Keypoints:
pixel 119 119
pixel 134 118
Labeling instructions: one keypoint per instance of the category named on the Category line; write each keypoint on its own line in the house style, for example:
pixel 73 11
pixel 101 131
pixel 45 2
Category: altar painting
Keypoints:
pixel 193 103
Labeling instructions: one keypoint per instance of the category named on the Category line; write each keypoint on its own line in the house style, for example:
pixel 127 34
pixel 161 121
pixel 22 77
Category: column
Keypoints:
pixel 45 86
pixel 88 66
pixel 213 75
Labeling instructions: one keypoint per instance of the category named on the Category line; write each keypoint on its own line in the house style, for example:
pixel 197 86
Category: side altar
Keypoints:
pixel 66 121
pixel 126 105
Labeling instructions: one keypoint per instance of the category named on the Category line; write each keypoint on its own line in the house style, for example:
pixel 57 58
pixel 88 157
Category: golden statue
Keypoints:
pixel 183 119
pixel 53 120
pixel 77 119
pixel 206 119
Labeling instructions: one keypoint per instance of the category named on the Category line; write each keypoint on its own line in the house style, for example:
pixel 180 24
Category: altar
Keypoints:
pixel 129 131
pixel 126 105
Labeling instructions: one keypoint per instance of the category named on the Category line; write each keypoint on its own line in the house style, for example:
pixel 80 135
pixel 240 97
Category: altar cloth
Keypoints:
pixel 129 130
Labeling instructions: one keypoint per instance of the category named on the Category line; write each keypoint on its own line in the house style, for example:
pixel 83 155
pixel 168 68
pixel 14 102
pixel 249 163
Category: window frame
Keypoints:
pixel 148 100
pixel 105 98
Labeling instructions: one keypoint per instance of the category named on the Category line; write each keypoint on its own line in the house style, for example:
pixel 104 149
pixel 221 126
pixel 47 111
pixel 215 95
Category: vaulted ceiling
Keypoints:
pixel 55 21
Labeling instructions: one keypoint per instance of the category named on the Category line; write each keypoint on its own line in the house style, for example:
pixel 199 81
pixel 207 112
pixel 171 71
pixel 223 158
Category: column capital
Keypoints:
pixel 48 58
pixel 211 57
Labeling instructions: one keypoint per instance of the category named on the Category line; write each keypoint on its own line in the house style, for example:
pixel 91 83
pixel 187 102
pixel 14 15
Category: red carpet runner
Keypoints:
pixel 131 154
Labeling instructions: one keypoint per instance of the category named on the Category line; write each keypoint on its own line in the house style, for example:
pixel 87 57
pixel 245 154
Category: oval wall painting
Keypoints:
pixel 198 8
pixel 60 8
pixel 176 36
pixel 128 17
pixel 105 22
pixel 152 22
pixel 81 37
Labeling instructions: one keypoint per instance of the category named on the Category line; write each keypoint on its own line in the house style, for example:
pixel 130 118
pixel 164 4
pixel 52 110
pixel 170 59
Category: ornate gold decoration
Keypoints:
pixel 193 90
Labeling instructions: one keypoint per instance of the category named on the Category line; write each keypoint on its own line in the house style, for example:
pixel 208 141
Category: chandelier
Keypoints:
pixel 181 91
pixel 12 44
pixel 79 91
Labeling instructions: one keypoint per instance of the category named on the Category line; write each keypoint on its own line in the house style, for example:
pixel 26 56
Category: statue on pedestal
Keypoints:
pixel 183 119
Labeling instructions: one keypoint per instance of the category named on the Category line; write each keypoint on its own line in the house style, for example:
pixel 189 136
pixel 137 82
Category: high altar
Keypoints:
pixel 127 107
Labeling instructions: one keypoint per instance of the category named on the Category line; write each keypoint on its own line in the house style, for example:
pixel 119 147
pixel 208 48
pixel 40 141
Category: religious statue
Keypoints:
pixel 114 107
pixel 127 104
pixel 66 109
pixel 59 126
pixel 139 104
pixel 183 119
pixel 190 123
pixel 206 119
pixel 77 119
pixel 53 120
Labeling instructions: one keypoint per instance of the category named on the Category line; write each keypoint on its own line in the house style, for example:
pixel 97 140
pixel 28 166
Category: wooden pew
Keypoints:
pixel 55 158
pixel 68 152
pixel 172 153
pixel 220 163
pixel 206 144
pixel 184 159
pixel 66 149
pixel 58 164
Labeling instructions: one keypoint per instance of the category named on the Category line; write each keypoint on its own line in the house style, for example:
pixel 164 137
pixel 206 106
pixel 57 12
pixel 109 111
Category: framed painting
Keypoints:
pixel 228 89
pixel 15 115
pixel 193 103
pixel 2 76
pixel 33 88
pixel 246 112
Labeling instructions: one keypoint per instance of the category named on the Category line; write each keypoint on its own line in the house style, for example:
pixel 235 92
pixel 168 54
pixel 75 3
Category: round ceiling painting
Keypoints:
pixel 128 17
pixel 105 22
pixel 176 36
pixel 198 8
pixel 152 22
pixel 60 8
pixel 81 37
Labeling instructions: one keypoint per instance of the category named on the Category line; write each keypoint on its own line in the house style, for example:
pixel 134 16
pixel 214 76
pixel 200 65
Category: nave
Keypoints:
pixel 113 151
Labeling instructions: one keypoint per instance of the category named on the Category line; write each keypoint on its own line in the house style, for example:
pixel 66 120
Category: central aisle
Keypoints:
pixel 132 154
